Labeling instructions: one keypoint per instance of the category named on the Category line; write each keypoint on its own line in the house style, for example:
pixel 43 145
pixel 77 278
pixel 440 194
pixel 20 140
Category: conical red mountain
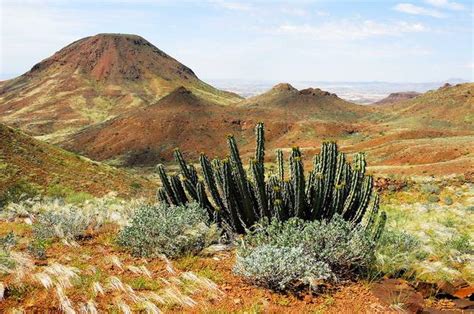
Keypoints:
pixel 93 79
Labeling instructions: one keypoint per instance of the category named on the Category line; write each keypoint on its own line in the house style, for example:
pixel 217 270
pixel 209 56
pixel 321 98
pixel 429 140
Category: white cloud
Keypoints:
pixel 351 30
pixel 233 5
pixel 446 4
pixel 322 13
pixel 294 11
pixel 417 10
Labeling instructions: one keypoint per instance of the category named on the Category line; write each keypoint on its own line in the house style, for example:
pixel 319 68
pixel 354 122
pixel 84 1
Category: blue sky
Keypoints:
pixel 398 41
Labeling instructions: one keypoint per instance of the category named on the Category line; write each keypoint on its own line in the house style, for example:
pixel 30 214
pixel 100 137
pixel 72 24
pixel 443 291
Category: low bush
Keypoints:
pixel 37 248
pixel 281 267
pixel 433 198
pixel 170 230
pixel 396 252
pixel 17 192
pixel 329 250
pixel 430 188
pixel 6 261
pixel 62 224
pixel 448 200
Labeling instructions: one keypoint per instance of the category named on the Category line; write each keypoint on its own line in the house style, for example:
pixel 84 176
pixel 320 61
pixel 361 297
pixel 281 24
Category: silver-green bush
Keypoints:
pixel 62 224
pixel 170 230
pixel 6 243
pixel 345 251
pixel 281 267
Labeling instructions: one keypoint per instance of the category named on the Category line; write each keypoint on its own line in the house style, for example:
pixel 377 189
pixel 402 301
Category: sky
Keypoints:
pixel 393 41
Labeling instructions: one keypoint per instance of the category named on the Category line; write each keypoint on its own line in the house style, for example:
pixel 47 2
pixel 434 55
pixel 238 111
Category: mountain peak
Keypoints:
pixel 316 92
pixel 283 87
pixel 114 58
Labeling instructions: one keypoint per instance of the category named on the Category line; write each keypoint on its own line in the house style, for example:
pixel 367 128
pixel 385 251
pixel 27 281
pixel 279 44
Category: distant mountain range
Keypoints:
pixel 120 99
pixel 357 92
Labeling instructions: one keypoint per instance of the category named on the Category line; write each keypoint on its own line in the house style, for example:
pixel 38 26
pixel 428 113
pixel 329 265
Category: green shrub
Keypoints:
pixel 429 188
pixel 237 199
pixel 461 243
pixel 37 248
pixel 396 252
pixel 433 198
pixel 335 246
pixel 448 200
pixel 65 223
pixel 281 268
pixel 136 186
pixel 66 193
pixel 6 261
pixel 59 191
pixel 18 192
pixel 170 230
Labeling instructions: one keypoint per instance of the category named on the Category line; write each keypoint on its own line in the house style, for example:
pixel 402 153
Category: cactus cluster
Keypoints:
pixel 237 199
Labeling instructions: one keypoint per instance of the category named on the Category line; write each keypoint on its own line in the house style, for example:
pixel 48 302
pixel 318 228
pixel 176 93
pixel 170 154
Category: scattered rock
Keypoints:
pixel 445 289
pixel 398 293
pixel 464 304
pixel 426 289
pixel 307 299
pixel 214 249
pixel 464 293
pixel 446 85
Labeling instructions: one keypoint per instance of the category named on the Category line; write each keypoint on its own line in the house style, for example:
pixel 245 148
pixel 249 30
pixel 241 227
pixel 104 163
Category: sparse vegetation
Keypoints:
pixel 170 230
pixel 282 267
pixel 321 250
pixel 20 190
pixel 429 241
pixel 7 262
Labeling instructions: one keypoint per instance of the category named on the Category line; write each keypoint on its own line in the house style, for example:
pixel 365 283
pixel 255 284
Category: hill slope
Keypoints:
pixel 397 97
pixel 145 136
pixel 312 103
pixel 93 79
pixel 26 162
pixel 449 107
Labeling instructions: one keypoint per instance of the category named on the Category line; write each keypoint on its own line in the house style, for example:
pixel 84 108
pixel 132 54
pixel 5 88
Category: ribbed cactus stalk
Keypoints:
pixel 260 150
pixel 178 190
pixel 247 210
pixel 166 185
pixel 280 165
pixel 162 196
pixel 210 179
pixel 237 199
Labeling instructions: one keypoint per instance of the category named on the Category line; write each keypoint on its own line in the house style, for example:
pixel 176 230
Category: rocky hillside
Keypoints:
pixel 28 165
pixel 447 108
pixel 312 103
pixel 146 136
pixel 92 80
